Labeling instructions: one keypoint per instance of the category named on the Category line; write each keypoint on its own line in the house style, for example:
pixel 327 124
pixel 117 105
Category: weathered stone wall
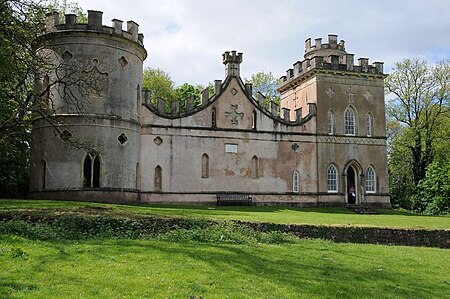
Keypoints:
pixel 177 146
pixel 151 225
pixel 231 143
pixel 98 107
pixel 364 235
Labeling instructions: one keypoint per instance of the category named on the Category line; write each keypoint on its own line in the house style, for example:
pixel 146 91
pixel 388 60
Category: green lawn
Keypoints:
pixel 317 216
pixel 155 269
pixel 230 262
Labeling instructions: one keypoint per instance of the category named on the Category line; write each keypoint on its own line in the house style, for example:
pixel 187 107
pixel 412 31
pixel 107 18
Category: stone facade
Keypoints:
pixel 328 135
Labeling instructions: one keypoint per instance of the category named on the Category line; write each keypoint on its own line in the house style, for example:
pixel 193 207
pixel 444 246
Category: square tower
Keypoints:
pixel 350 123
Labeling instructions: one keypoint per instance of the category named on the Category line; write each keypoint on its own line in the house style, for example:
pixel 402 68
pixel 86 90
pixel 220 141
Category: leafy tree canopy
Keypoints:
pixel 266 84
pixel 20 24
pixel 418 126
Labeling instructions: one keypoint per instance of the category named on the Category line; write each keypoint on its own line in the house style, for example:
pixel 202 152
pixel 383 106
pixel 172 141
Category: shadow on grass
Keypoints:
pixel 9 287
pixel 249 209
pixel 40 203
pixel 311 269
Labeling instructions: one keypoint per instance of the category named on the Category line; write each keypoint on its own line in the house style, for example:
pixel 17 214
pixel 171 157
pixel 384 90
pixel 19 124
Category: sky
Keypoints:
pixel 186 38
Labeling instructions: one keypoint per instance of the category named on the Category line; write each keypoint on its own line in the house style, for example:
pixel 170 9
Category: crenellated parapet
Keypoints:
pixel 329 56
pixel 178 108
pixel 94 24
pixel 324 49
pixel 232 62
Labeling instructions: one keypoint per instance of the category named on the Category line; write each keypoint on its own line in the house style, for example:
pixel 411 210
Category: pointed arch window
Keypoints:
pixel 331 122
pixel 369 124
pixel 205 166
pixel 350 123
pixel 255 167
pixel 158 178
pixel 295 181
pixel 91 171
pixel 332 179
pixel 371 181
pixel 254 120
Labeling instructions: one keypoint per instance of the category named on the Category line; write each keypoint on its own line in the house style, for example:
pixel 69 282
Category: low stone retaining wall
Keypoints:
pixel 346 234
pixel 364 235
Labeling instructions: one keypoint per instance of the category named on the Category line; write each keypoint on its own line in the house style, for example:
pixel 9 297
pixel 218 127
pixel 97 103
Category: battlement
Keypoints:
pixel 177 108
pixel 95 23
pixel 232 63
pixel 319 48
pixel 331 56
pixel 234 57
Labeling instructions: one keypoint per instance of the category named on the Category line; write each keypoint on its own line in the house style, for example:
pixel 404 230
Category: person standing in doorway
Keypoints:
pixel 351 195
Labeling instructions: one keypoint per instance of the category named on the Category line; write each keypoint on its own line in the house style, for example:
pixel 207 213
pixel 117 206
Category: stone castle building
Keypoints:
pixel 325 141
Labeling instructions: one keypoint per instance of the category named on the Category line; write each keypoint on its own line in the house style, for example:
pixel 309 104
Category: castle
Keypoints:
pixel 324 146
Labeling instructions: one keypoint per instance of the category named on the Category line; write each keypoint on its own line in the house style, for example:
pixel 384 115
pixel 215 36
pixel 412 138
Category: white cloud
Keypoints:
pixel 187 38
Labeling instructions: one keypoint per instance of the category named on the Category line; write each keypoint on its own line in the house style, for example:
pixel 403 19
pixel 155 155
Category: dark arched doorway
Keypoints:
pixel 351 185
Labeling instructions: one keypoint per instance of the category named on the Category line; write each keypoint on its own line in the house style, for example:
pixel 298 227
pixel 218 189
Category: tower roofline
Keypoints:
pixel 328 57
pixel 94 24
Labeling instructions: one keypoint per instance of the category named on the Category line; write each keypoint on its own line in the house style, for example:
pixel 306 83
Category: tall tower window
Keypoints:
pixel 91 171
pixel 205 166
pixel 295 179
pixel 370 180
pixel 44 174
pixel 255 167
pixel 138 96
pixel 350 124
pixel 331 122
pixel 158 178
pixel 332 179
pixel 213 118
pixel 138 176
pixel 254 120
pixel 369 124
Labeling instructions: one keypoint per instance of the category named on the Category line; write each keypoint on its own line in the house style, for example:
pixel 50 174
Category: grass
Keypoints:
pixel 214 261
pixel 316 216
pixel 154 269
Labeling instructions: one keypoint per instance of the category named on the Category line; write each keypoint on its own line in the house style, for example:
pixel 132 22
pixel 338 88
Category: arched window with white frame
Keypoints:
pixel 295 181
pixel 371 180
pixel 332 179
pixel 369 124
pixel 350 121
pixel 331 122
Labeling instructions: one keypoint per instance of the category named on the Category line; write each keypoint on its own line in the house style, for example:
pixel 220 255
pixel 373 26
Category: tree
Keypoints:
pixel 160 86
pixel 64 6
pixel 184 91
pixel 266 84
pixel 433 196
pixel 421 101
pixel 20 22
pixel 417 121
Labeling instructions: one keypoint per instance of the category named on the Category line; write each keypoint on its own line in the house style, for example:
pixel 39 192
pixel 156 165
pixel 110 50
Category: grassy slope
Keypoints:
pixel 320 216
pixel 121 268
pixel 151 269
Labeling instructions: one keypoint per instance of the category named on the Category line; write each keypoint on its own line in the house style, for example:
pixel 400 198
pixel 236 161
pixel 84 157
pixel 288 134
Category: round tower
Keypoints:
pixel 90 81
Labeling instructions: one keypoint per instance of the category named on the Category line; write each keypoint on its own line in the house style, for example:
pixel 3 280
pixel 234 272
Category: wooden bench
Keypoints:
pixel 229 199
